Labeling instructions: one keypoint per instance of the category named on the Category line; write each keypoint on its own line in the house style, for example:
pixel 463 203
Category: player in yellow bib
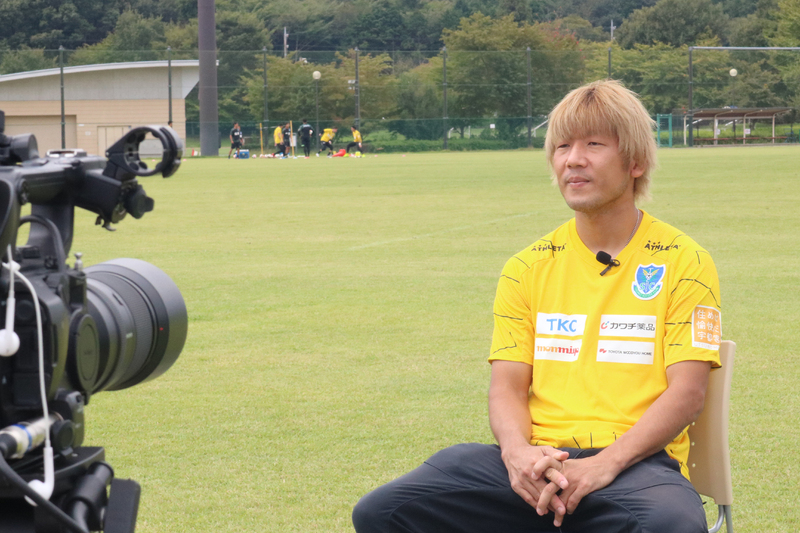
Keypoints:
pixel 327 140
pixel 278 138
pixel 605 333
pixel 356 141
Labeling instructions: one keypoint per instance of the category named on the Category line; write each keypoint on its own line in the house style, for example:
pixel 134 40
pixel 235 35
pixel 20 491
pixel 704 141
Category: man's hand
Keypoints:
pixel 582 476
pixel 533 486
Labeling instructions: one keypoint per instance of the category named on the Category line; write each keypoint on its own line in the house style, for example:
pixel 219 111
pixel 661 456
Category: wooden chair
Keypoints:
pixel 709 458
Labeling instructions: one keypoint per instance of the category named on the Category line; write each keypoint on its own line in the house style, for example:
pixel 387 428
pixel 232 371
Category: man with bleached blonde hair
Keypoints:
pixel 605 332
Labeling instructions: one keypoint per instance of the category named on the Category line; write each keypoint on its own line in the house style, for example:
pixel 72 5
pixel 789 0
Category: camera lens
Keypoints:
pixel 141 322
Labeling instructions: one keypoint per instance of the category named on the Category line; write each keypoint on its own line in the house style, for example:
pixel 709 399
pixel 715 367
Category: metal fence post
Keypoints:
pixel 609 62
pixel 266 104
pixel 530 118
pixel 444 94
pixel 690 110
pixel 357 89
pixel 63 117
pixel 169 81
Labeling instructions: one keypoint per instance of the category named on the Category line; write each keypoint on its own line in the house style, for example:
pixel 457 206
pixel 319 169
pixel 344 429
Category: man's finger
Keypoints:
pixel 574 498
pixel 548 493
pixel 543 465
pixel 555 476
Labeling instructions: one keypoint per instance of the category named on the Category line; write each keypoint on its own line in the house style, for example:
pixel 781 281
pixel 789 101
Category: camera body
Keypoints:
pixel 106 327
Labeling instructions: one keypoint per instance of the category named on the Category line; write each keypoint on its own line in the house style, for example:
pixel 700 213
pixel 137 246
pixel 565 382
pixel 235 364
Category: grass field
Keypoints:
pixel 340 319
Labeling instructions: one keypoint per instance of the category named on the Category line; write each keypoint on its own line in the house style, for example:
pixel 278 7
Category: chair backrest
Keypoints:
pixel 709 457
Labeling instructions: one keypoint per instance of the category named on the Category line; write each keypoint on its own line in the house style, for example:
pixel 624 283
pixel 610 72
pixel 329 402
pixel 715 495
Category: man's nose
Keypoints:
pixel 576 156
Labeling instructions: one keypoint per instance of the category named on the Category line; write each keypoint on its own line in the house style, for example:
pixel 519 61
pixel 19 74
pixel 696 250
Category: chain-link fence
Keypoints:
pixel 400 100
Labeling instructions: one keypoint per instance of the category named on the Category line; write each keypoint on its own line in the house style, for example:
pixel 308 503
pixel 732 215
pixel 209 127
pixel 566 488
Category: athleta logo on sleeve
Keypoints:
pixel 560 324
pixel 648 281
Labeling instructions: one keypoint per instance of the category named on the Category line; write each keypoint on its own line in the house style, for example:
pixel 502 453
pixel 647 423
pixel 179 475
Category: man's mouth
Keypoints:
pixel 576 180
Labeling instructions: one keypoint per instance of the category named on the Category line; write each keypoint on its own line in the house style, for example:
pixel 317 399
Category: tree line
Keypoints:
pixel 401 57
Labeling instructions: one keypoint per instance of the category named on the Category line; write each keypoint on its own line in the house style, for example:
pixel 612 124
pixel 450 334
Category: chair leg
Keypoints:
pixel 728 518
pixel 720 517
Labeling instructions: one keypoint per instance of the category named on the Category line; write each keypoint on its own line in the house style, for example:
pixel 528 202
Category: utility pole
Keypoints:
pixel 285 42
pixel 612 29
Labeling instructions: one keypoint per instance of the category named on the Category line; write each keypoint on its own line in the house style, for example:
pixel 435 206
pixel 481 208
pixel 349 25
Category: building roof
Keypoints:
pixel 138 80
pixel 176 63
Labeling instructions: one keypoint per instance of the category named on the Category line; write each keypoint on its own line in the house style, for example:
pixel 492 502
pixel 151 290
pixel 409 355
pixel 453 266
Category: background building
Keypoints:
pixel 101 102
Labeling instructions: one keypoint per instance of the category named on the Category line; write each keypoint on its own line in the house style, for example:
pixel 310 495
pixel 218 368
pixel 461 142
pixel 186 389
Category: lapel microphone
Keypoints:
pixel 605 258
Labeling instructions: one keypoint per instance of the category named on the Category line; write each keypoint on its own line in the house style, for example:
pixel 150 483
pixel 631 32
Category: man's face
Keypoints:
pixel 591 174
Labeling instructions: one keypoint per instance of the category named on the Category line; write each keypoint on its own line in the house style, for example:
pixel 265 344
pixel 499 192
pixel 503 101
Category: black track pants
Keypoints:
pixel 465 489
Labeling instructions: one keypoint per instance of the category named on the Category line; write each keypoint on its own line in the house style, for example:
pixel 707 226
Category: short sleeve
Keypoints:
pixel 693 324
pixel 513 336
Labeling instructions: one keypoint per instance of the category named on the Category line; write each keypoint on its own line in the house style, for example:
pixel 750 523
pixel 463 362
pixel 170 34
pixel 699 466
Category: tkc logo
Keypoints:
pixel 563 325
pixel 560 324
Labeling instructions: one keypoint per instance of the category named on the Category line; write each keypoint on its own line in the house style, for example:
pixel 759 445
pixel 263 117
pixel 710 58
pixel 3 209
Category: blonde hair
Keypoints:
pixel 606 107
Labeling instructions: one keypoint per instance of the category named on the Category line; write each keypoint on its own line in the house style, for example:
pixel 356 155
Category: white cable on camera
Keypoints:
pixel 45 489
pixel 9 340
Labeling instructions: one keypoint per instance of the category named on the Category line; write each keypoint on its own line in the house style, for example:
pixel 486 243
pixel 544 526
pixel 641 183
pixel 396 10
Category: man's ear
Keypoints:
pixel 635 170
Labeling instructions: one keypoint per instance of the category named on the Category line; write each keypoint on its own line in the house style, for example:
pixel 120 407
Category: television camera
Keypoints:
pixel 71 332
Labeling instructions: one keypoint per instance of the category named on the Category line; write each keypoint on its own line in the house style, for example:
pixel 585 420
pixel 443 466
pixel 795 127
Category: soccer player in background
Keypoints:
pixel 327 140
pixel 305 132
pixel 237 139
pixel 277 136
pixel 356 141
pixel 605 332
pixel 287 139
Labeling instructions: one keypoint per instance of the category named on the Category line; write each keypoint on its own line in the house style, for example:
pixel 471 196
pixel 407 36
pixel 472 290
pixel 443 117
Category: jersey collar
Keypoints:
pixel 626 253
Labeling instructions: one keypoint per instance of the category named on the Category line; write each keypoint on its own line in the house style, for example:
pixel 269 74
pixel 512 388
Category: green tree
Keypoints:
pixel 488 74
pixel 24 60
pixel 135 38
pixel 581 28
pixel 674 22
pixel 49 24
pixel 379 27
pixel 419 102
pixel 291 89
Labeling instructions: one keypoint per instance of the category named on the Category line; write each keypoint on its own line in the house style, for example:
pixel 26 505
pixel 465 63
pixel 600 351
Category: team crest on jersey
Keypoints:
pixel 649 281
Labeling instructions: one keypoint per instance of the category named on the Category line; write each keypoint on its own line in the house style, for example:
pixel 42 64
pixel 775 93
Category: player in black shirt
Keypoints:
pixel 287 139
pixel 237 139
pixel 305 132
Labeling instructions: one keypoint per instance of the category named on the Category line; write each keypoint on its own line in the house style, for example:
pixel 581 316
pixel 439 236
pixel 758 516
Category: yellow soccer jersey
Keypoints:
pixel 278 135
pixel 356 136
pixel 327 135
pixel 599 345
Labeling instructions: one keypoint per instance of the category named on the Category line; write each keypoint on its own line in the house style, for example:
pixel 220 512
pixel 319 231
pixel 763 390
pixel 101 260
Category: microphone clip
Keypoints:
pixel 605 259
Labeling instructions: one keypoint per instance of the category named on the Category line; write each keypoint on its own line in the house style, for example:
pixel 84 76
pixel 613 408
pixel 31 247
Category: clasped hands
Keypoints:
pixel 549 481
